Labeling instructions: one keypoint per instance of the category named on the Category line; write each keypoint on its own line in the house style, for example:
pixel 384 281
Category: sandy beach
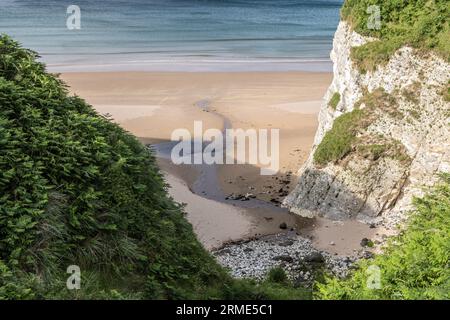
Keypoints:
pixel 153 104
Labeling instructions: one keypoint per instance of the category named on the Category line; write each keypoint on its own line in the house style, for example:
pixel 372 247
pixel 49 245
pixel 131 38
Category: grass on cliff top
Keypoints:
pixel 422 24
pixel 415 264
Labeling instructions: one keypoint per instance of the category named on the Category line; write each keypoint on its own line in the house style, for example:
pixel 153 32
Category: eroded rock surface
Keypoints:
pixel 379 188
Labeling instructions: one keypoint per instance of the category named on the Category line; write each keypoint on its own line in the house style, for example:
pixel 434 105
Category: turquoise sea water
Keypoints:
pixel 197 35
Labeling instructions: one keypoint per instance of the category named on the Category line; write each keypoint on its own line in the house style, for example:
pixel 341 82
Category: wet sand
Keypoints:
pixel 218 221
pixel 151 105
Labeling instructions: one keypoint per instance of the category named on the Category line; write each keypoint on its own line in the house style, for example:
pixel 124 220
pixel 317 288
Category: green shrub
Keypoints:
pixel 422 24
pixel 77 189
pixel 334 101
pixel 415 265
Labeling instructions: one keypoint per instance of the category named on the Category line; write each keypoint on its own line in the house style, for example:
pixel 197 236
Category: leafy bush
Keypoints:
pixel 416 263
pixel 77 189
pixel 422 24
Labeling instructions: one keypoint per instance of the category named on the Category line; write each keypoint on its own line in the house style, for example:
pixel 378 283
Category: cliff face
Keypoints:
pixel 401 139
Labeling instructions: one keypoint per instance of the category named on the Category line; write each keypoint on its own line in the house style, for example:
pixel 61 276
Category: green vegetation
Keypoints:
pixel 334 101
pixel 339 140
pixel 416 263
pixel 422 24
pixel 76 189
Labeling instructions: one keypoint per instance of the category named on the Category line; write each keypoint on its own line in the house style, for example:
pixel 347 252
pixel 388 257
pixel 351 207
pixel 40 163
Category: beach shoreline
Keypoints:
pixel 188 65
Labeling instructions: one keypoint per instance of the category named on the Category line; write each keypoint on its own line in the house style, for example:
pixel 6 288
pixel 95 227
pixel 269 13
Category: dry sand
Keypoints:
pixel 288 101
pixel 151 105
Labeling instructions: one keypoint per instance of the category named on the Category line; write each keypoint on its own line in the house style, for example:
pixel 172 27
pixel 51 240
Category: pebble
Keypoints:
pixel 254 259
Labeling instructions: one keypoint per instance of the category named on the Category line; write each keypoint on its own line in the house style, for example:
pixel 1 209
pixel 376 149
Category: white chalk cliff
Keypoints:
pixel 379 189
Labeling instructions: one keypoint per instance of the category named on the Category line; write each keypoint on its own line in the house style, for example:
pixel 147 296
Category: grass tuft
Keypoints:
pixel 334 101
pixel 338 141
